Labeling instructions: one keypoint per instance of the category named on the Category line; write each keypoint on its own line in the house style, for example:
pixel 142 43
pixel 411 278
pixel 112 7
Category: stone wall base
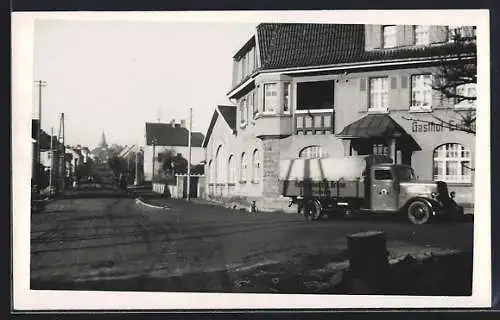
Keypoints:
pixel 267 204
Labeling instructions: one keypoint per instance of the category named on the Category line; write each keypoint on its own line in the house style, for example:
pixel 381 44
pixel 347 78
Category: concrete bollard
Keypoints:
pixel 368 262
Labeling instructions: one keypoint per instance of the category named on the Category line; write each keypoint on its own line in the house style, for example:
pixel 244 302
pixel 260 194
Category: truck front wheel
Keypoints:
pixel 419 212
pixel 313 210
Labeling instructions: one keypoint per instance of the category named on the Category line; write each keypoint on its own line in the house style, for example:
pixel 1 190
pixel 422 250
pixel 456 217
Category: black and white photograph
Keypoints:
pixel 258 161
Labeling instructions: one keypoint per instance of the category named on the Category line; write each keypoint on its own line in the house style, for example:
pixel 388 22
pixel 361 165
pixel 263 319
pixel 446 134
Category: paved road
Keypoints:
pixel 112 243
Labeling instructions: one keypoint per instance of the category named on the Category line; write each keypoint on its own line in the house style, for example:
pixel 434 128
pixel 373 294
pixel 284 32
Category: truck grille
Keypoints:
pixel 442 189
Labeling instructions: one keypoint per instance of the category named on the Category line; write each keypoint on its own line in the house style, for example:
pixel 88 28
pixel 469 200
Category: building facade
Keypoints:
pixel 318 90
pixel 172 136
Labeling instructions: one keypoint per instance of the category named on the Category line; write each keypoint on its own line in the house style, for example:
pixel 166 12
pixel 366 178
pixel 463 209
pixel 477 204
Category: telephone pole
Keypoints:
pixel 136 180
pixel 51 173
pixel 40 84
pixel 189 155
pixel 62 155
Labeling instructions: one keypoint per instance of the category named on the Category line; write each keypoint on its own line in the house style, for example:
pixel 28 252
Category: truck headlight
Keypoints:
pixel 434 195
pixel 452 194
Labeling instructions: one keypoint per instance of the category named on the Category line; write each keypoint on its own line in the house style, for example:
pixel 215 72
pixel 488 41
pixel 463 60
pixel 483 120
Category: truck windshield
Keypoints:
pixel 404 173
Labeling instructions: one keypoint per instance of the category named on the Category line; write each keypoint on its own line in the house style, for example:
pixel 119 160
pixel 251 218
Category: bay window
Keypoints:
pixel 463 92
pixel 286 97
pixel 270 97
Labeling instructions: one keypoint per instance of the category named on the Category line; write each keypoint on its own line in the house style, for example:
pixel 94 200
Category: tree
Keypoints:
pixel 117 165
pixel 456 81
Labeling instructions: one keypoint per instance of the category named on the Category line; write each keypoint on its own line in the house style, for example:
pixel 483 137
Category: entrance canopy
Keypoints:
pixel 378 126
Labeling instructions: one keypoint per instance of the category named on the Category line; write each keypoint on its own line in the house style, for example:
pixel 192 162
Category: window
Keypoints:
pixel 389 34
pixel 381 149
pixel 421 91
pixel 210 172
pixel 454 33
pixel 312 152
pixel 243 67
pixel 243 111
pixel 421 35
pixel 270 97
pixel 218 166
pixel 383 175
pixel 315 95
pixel 379 93
pixel 452 163
pixel 255 166
pixel 467 90
pixel 243 170
pixel 231 177
pixel 286 97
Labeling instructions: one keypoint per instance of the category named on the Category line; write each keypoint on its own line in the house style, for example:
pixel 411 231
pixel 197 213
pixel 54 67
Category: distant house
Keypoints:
pixel 170 136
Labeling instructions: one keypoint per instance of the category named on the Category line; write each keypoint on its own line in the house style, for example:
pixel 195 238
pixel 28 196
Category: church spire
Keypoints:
pixel 103 143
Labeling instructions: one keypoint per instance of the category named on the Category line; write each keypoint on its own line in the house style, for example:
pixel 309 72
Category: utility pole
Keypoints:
pixel 62 155
pixel 51 152
pixel 189 155
pixel 40 84
pixel 153 173
pixel 136 181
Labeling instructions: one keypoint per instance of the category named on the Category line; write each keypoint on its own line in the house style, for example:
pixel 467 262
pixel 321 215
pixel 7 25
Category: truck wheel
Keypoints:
pixel 419 212
pixel 314 209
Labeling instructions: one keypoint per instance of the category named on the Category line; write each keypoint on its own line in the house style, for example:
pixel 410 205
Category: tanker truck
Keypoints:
pixel 363 184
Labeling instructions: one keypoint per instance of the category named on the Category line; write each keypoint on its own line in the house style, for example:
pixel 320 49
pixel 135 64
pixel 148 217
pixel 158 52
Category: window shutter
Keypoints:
pixel 362 84
pixel 363 100
pixel 377 36
pixel 409 37
pixel 438 34
pixel 404 82
pixel 393 83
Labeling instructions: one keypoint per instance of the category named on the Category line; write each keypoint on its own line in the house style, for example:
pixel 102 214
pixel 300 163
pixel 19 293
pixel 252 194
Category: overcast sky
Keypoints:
pixel 114 76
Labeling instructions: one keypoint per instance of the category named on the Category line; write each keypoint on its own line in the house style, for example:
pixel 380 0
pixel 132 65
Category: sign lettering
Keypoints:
pixel 423 127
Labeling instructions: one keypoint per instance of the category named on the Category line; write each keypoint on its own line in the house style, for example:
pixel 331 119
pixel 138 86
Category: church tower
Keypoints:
pixel 103 144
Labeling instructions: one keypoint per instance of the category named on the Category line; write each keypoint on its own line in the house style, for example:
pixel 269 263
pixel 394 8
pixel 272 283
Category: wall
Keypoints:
pixel 197 156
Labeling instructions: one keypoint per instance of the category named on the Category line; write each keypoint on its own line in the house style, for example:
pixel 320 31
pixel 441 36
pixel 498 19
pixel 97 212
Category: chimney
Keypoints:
pixel 183 123
pixel 172 122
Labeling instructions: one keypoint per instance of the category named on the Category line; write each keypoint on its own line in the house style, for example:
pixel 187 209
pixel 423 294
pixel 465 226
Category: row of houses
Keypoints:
pixel 51 150
pixel 317 90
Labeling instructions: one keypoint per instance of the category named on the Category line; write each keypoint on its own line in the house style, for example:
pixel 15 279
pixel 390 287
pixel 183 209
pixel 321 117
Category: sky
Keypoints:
pixel 114 76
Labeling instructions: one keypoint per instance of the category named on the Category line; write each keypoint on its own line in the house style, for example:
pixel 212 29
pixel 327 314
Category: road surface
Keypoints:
pixel 115 243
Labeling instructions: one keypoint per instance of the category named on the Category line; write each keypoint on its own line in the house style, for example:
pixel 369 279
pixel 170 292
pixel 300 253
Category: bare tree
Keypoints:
pixel 455 81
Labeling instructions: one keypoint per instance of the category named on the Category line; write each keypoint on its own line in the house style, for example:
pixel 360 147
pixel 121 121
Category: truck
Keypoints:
pixel 363 184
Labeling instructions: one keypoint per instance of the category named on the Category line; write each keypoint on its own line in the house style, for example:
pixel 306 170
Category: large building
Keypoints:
pixel 316 90
pixel 170 136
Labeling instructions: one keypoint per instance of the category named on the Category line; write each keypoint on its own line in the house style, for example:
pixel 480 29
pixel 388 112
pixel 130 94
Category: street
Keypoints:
pixel 115 243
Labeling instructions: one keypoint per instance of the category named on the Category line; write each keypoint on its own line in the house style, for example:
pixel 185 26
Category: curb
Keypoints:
pixel 141 202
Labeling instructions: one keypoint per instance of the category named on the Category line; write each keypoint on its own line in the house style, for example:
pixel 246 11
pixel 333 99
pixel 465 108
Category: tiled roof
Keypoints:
pixel 165 134
pixel 286 45
pixel 229 114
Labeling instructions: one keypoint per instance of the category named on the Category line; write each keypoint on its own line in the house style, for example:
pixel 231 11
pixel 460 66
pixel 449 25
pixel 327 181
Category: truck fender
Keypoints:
pixel 429 202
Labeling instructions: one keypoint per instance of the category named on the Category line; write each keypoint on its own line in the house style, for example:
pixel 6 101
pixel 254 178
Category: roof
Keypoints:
pixel 376 126
pixel 228 113
pixel 166 134
pixel 285 45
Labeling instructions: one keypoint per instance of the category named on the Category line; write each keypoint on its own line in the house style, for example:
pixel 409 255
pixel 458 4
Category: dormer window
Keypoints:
pixel 421 35
pixel 389 36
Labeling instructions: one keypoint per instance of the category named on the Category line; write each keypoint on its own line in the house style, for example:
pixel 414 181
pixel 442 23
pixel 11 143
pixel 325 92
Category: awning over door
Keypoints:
pixel 378 126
